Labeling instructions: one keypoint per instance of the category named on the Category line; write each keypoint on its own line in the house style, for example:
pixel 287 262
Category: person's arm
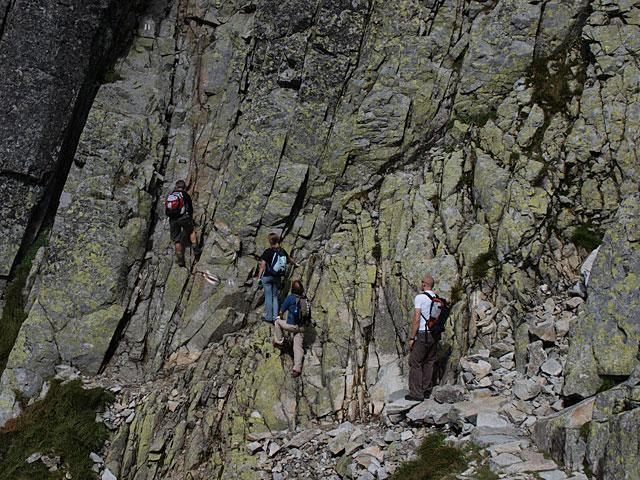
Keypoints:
pixel 290 259
pixel 263 264
pixel 415 325
pixel 284 307
pixel 189 204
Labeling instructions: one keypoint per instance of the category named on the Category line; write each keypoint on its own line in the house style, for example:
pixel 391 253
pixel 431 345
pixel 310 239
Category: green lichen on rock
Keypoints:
pixel 606 340
pixel 13 312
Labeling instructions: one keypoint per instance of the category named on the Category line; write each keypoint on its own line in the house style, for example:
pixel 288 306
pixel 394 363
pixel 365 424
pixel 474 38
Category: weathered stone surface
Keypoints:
pixel 49 63
pixel 385 141
pixel 430 412
pixel 526 389
pixel 609 326
pixel 448 393
pixel 559 433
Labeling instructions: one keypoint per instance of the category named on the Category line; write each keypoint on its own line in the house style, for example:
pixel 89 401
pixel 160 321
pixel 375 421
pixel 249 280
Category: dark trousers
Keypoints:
pixel 421 361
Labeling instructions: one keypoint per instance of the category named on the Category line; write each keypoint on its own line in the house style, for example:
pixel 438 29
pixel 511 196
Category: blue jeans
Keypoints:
pixel 271 287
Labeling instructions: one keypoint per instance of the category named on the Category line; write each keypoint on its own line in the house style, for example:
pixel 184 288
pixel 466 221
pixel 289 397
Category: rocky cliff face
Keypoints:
pixel 472 140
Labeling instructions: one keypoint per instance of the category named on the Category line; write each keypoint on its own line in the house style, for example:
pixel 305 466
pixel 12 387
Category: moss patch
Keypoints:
pixel 435 461
pixel 610 381
pixel 112 76
pixel 63 424
pixel 483 263
pixel 13 313
pixel 587 237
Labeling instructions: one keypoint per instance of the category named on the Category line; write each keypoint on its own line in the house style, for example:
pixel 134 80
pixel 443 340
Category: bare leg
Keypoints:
pixel 298 351
pixel 278 336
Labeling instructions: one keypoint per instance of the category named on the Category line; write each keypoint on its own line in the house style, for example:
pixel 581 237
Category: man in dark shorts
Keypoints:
pixel 273 267
pixel 179 209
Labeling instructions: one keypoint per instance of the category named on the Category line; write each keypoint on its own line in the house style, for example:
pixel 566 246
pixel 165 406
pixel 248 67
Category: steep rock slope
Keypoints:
pixel 385 140
pixel 51 57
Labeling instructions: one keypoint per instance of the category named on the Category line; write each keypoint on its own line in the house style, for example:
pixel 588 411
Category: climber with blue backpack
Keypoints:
pixel 273 268
pixel 298 309
pixel 429 318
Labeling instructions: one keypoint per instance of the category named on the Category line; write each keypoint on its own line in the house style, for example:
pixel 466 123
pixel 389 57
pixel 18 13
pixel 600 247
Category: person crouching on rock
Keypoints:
pixel 298 316
pixel 273 267
pixel 179 208
pixel 422 342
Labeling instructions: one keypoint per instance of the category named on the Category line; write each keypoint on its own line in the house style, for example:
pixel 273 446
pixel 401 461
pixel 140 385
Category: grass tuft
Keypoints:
pixel 587 237
pixel 482 264
pixel 435 461
pixel 112 76
pixel 485 473
pixel 610 381
pixel 63 424
pixel 13 313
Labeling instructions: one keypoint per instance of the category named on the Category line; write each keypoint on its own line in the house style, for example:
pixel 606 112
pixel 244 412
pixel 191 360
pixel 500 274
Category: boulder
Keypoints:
pixel 430 412
pixel 559 433
pixel 607 335
pixel 526 389
pixel 448 393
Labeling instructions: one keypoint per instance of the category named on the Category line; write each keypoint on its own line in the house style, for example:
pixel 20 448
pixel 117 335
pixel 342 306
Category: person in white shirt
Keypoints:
pixel 422 343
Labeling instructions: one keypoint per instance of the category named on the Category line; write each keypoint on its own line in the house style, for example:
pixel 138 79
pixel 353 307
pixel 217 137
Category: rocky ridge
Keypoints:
pixel 384 139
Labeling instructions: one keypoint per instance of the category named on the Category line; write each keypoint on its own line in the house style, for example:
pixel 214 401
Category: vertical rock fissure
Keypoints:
pixel 156 192
pixel 5 17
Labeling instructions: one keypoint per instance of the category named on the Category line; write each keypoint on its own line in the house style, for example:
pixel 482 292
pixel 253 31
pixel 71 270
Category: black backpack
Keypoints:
pixel 278 265
pixel 437 321
pixel 304 310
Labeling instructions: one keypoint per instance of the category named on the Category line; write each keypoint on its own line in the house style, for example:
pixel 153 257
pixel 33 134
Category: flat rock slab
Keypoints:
pixel 487 440
pixel 303 437
pixel 503 460
pixel 551 367
pixel 526 389
pixel 491 421
pixel 553 475
pixel 430 412
pixel 511 447
pixel 399 406
pixel 532 466
pixel 448 393
pixel 338 443
pixel 467 411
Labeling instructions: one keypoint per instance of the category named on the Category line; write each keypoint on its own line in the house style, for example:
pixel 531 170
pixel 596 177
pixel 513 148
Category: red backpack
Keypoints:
pixel 174 205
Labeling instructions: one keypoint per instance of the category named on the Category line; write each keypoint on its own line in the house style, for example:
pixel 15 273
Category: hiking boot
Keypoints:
pixel 295 373
pixel 180 259
pixel 411 398
pixel 278 345
pixel 197 250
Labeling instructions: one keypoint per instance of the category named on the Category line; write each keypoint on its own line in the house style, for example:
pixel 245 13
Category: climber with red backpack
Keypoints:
pixel 298 310
pixel 179 208
pixel 272 269
pixel 429 318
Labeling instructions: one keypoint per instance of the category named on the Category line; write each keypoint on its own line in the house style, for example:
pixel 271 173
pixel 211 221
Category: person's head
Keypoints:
pixel 297 288
pixel 181 185
pixel 428 282
pixel 274 239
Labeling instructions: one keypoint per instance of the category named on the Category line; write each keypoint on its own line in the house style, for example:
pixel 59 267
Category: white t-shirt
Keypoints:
pixel 423 302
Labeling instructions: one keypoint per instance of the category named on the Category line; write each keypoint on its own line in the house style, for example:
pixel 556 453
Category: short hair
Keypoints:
pixel 428 279
pixel 273 238
pixel 297 288
pixel 181 185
